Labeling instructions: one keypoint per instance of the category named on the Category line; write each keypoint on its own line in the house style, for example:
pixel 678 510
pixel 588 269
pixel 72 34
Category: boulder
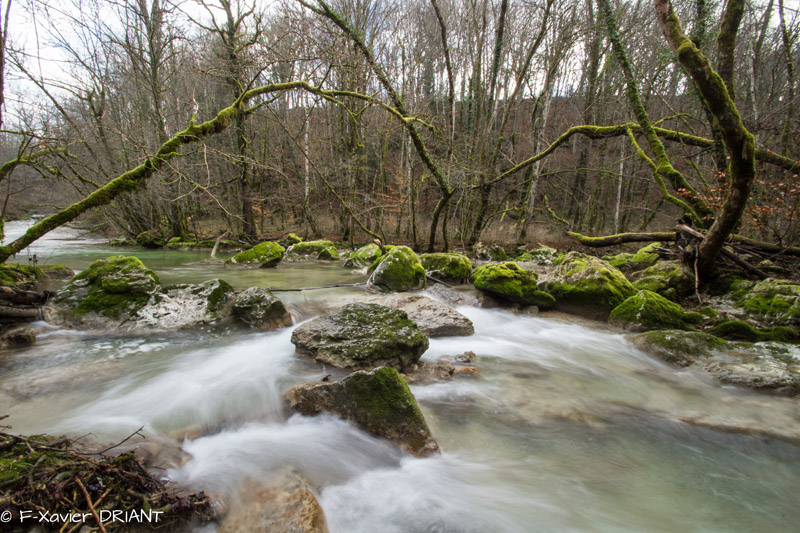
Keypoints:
pixel 362 335
pixel 109 291
pixel 586 285
pixel 434 318
pixel 291 239
pixel 647 310
pixel 544 255
pixel 266 255
pixel 259 308
pixel 378 401
pixel 398 271
pixel 21 276
pixel 670 279
pixel 454 268
pixel 364 256
pixel 646 255
pixel 184 305
pixel 58 272
pixel 489 253
pixel 738 330
pixel 776 300
pixel 681 348
pixel 508 281
pixel 285 504
pixel 322 250
pixel 150 239
pixel 19 336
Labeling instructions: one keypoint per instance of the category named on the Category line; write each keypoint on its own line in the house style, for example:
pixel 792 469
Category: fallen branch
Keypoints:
pixel 691 232
pixel 622 238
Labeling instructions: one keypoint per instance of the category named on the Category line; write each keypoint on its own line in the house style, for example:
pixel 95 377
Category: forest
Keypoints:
pixel 440 123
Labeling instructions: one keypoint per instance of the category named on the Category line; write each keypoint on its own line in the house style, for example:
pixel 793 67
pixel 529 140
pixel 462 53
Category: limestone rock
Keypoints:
pixel 777 300
pixel 378 401
pixel 508 281
pixel 266 255
pixel 259 308
pixel 181 306
pixel 362 335
pixel 398 271
pixel 670 279
pixel 285 505
pixel 434 318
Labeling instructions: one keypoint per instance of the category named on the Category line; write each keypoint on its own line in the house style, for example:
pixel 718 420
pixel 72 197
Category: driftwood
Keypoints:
pixel 21 297
pixel 16 313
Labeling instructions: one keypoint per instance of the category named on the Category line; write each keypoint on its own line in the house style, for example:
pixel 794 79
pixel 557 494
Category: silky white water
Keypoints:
pixel 567 427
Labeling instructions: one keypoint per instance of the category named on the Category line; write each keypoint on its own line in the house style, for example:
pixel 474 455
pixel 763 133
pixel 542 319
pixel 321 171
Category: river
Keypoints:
pixel 568 427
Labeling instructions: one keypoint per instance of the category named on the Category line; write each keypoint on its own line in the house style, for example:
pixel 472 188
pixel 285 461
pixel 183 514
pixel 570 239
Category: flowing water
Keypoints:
pixel 568 427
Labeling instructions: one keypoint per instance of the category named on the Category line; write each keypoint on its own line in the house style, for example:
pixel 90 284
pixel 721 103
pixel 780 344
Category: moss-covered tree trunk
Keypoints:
pixel 739 143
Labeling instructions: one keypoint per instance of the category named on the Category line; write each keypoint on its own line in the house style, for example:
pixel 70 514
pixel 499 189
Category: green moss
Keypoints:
pixel 620 260
pixel 774 299
pixel 454 268
pixel 585 283
pixel 399 270
pixel 384 397
pixel 511 282
pixel 648 310
pixel 670 279
pixel 364 256
pixel 111 287
pixel 738 330
pixel 20 276
pixel 220 291
pixel 149 239
pixel 174 240
pixel 490 253
pixel 291 239
pixel 267 254
pixel 321 249
pixel 647 254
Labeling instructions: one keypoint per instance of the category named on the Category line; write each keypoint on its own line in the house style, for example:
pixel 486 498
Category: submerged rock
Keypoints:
pixel 453 268
pixel 285 504
pixel 647 310
pixel 259 308
pixel 511 282
pixel 19 336
pixel 364 256
pixel 362 335
pixel 766 367
pixel 378 401
pixel 109 291
pixel 266 255
pixel 586 285
pixel 434 318
pixel 322 250
pixel 398 271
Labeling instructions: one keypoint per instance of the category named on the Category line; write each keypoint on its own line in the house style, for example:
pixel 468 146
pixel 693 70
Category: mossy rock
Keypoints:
pixel 59 272
pixel 647 310
pixel 114 288
pixel 398 271
pixel 21 276
pixel 150 239
pixel 364 256
pixel 670 279
pixel 620 260
pixel 738 330
pixel 587 285
pixel 378 401
pixel 266 255
pixel 259 308
pixel 773 299
pixel 454 268
pixel 291 239
pixel 490 253
pixel 511 282
pixel 647 254
pixel 679 347
pixel 360 336
pixel 322 250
